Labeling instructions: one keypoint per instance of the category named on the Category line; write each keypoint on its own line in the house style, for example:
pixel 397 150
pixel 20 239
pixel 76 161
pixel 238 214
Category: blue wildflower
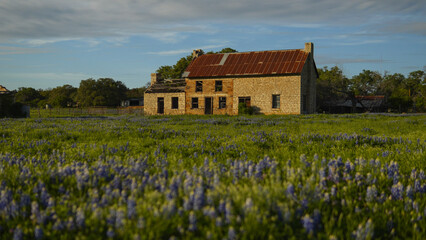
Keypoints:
pixel 231 233
pixel 38 233
pixel 371 193
pixel 308 224
pixel 80 218
pixel 192 222
pixel 18 234
pixel 397 191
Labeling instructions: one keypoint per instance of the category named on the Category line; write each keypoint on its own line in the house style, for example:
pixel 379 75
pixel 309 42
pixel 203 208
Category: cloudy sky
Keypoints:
pixel 49 43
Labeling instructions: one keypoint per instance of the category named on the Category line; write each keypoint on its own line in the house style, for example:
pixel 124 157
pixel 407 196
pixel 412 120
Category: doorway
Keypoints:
pixel 208 103
pixel 160 105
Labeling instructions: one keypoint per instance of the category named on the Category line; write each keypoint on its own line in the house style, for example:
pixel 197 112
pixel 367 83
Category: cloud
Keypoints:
pixel 48 21
pixel 12 50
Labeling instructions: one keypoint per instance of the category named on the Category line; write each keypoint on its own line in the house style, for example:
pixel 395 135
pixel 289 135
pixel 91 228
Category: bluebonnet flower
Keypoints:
pixel 364 231
pixel 290 190
pixel 38 233
pixel 131 207
pixel 231 233
pixel 80 218
pixel 209 212
pixel 199 197
pixel 119 220
pixel 308 224
pixel 192 222
pixel 371 193
pixel 110 233
pixel 18 234
pixel 219 221
pixel 409 192
pixel 397 191
pixel 417 187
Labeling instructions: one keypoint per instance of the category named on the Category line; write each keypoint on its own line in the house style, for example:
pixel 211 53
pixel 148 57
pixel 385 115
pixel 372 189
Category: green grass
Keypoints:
pixel 81 174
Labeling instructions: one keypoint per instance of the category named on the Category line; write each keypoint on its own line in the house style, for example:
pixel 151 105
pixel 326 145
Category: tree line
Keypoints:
pixel 401 93
pixel 91 92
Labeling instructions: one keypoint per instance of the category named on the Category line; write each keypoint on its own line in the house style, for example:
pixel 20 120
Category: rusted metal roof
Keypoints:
pixel 247 63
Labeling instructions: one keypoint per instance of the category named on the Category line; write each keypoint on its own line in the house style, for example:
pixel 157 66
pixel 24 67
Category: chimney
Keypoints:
pixel 309 47
pixel 154 78
pixel 196 53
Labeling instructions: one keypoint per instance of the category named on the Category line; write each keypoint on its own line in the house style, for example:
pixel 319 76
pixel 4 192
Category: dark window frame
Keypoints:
pixel 198 86
pixel 218 86
pixel 222 102
pixel 276 98
pixel 175 102
pixel 194 103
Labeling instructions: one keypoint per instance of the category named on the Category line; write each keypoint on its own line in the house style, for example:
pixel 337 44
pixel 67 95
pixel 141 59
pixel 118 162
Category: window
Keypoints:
pixel 245 100
pixel 222 102
pixel 218 86
pixel 175 102
pixel 199 86
pixel 194 102
pixel 275 101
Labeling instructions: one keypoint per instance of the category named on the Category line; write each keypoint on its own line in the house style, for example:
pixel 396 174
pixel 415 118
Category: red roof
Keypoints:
pixel 247 63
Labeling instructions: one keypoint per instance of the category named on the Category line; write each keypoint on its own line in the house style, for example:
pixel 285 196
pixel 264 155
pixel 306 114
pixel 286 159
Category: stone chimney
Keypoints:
pixel 309 47
pixel 196 53
pixel 154 78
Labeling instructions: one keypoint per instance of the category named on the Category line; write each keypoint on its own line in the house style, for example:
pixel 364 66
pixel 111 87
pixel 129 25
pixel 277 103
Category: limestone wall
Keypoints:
pixel 209 91
pixel 151 103
pixel 261 89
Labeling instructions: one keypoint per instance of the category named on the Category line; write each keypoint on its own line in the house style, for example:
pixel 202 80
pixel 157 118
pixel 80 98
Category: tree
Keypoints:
pixel 101 92
pixel 366 83
pixel 332 85
pixel 28 96
pixel 62 96
pixel 136 92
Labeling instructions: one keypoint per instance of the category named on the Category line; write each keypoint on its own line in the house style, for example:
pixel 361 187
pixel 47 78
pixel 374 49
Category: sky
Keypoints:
pixel 50 43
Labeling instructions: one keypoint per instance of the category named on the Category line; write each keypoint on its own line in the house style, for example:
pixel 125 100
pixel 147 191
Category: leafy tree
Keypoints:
pixel 332 85
pixel 62 96
pixel 101 92
pixel 136 92
pixel 366 83
pixel 28 96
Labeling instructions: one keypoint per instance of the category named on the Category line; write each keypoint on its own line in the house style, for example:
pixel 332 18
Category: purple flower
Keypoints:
pixel 371 193
pixel 38 233
pixel 308 224
pixel 110 233
pixel 199 197
pixel 18 234
pixel 80 218
pixel 409 192
pixel 131 207
pixel 290 190
pixel 397 191
pixel 231 233
pixel 192 222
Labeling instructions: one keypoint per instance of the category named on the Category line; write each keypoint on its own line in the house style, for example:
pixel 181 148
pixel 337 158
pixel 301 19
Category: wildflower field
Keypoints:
pixel 217 177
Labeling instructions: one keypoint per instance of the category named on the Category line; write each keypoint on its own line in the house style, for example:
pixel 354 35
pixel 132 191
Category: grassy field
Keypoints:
pixel 213 177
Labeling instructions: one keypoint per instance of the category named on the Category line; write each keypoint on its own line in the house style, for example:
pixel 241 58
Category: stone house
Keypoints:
pixel 165 96
pixel 270 82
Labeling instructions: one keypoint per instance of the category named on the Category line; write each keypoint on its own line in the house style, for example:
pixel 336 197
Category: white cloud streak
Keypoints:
pixel 48 21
